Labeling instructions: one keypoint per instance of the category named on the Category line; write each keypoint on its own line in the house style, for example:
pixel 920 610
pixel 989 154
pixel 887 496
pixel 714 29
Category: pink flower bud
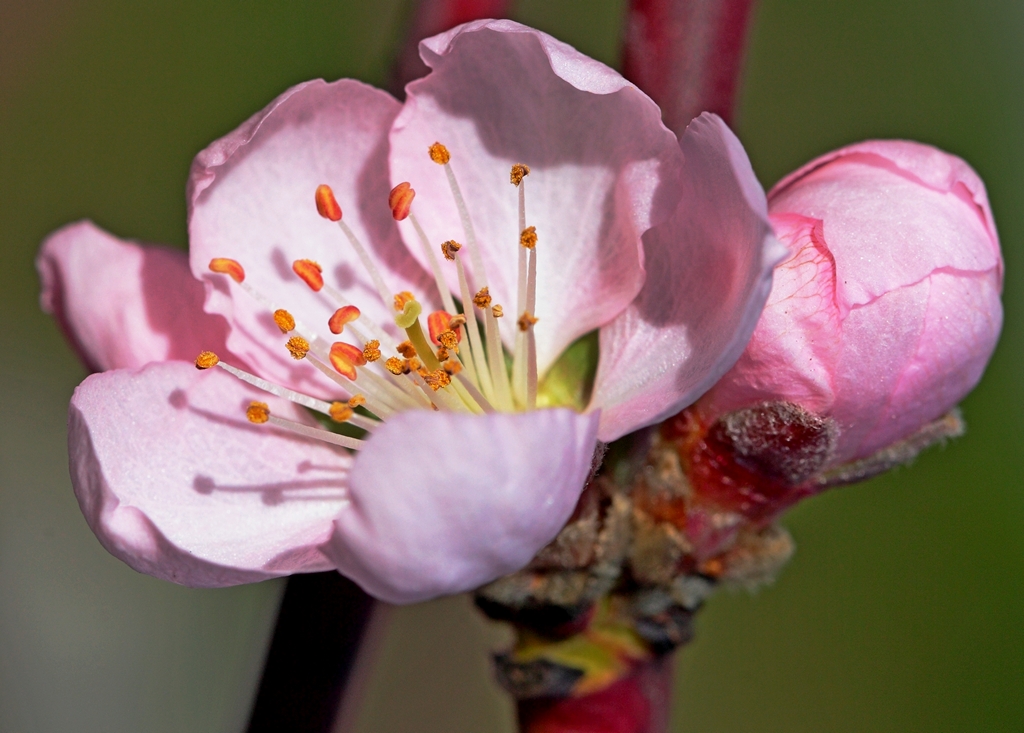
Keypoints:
pixel 888 309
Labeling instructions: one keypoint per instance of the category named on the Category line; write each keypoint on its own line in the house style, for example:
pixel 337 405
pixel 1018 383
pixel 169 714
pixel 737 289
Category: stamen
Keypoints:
pixel 371 351
pixel 317 433
pixel 476 347
pixel 326 205
pixel 526 320
pixel 441 321
pixel 284 320
pixel 449 248
pixel 435 266
pixel 449 340
pixel 406 349
pixel 356 400
pixel 340 412
pixel 519 172
pixel 342 317
pixel 528 237
pixel 395 365
pixel 400 200
pixel 439 154
pixel 497 311
pixel 310 272
pixel 207 359
pixel 229 267
pixel 298 347
pixel 258 412
pixel 483 298
pixel 345 358
pixel 479 273
pixel 437 379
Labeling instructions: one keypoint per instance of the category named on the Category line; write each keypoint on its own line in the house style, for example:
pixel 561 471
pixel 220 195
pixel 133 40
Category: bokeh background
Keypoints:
pixel 903 608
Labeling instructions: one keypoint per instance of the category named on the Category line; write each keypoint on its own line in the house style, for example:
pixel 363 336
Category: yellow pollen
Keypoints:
pixel 340 412
pixel 519 172
pixel 402 298
pixel 497 311
pixel 258 412
pixel 439 154
pixel 448 340
pixel 406 349
pixel 526 320
pixel 298 347
pixel 395 365
pixel 437 379
pixel 457 321
pixel 452 367
pixel 207 359
pixel 528 238
pixel 284 320
pixel 442 354
pixel 356 400
pixel 371 352
pixel 483 298
pixel 449 248
pixel 411 365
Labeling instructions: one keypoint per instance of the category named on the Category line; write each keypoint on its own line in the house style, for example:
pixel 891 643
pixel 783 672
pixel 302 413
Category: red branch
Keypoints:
pixel 429 18
pixel 687 55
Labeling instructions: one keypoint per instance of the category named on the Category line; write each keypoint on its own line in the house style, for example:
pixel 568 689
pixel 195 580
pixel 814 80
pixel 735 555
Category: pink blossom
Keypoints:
pixel 887 310
pixel 661 245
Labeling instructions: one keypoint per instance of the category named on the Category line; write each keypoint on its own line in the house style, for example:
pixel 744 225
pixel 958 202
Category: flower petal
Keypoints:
pixel 443 503
pixel 175 482
pixel 709 272
pixel 121 304
pixel 604 169
pixel 251 198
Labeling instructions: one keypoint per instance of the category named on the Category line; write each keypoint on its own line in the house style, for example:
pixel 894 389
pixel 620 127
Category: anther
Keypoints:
pixel 449 248
pixel 400 200
pixel 519 172
pixel 284 320
pixel 310 272
pixel 229 267
pixel 483 298
pixel 342 317
pixel 298 347
pixel 406 349
pixel 456 322
pixel 356 400
pixel 206 359
pixel 326 204
pixel 437 379
pixel 452 367
pixel 497 311
pixel 440 321
pixel 402 298
pixel 371 351
pixel 448 340
pixel 439 154
pixel 528 237
pixel 340 412
pixel 345 358
pixel 442 354
pixel 258 412
pixel 395 365
pixel 526 320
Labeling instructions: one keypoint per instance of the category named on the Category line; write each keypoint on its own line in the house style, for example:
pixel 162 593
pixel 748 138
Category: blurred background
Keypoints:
pixel 903 608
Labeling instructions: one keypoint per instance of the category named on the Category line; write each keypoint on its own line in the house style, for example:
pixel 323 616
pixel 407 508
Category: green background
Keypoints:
pixel 902 610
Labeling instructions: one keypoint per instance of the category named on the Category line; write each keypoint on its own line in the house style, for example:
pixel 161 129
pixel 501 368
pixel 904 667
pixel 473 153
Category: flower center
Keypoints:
pixel 436 368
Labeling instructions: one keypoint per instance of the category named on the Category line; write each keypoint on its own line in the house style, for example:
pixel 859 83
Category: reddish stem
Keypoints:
pixel 430 17
pixel 687 55
pixel 640 703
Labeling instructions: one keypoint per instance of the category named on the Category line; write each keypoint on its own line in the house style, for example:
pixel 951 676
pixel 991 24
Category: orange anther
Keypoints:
pixel 342 317
pixel 298 347
pixel 497 311
pixel 345 358
pixel 371 352
pixel 258 412
pixel 442 353
pixel 395 365
pixel 526 321
pixel 310 272
pixel 356 400
pixel 449 248
pixel 439 154
pixel 440 321
pixel 229 267
pixel 406 349
pixel 340 412
pixel 448 340
pixel 284 320
pixel 483 298
pixel 519 172
pixel 528 237
pixel 402 298
pixel 400 200
pixel 326 204
pixel 206 359
pixel 452 367
pixel 437 379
